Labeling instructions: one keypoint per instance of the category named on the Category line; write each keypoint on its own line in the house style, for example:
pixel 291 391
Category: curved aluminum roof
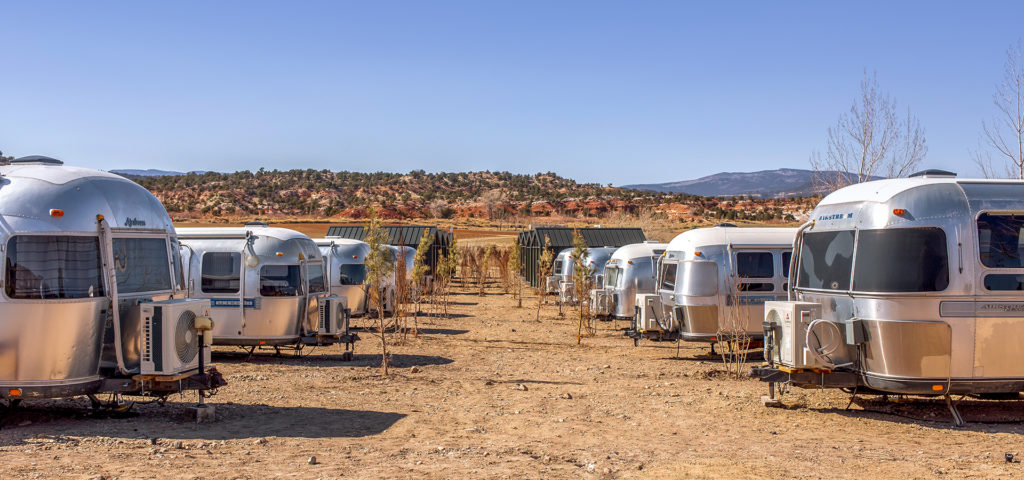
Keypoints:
pixel 637 250
pixel 29 192
pixel 702 237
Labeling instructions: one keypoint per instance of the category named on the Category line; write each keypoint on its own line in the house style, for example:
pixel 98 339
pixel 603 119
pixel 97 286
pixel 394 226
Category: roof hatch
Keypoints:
pixel 36 160
pixel 933 173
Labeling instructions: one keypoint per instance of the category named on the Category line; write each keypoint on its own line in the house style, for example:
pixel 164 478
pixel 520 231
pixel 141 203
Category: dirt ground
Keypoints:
pixel 490 393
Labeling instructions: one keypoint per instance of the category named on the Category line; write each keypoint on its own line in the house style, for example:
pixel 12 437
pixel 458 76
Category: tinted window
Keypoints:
pixel 316 279
pixel 141 265
pixel 787 257
pixel 221 272
pixel 44 267
pixel 754 265
pixel 280 281
pixel 668 276
pixel 756 287
pixel 826 259
pixel 1004 282
pixel 352 274
pixel 999 240
pixel 901 260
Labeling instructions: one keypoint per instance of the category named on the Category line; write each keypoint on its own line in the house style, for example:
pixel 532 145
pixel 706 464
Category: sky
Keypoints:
pixel 599 91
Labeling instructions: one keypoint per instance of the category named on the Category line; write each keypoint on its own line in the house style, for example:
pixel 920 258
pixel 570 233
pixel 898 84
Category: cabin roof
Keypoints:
pixel 561 237
pixel 397 234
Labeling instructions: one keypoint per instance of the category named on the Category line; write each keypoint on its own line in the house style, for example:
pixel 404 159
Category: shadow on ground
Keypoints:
pixel 1006 416
pixel 72 418
pixel 318 360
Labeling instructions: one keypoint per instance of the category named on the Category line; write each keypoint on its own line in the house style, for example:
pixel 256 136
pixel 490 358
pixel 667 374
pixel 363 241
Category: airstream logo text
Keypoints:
pixel 134 222
pixel 835 216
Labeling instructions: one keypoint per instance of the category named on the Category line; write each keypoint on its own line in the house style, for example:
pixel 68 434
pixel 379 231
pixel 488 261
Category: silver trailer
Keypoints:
pixel 564 266
pixel 906 286
pixel 90 265
pixel 346 271
pixel 266 286
pixel 630 271
pixel 714 282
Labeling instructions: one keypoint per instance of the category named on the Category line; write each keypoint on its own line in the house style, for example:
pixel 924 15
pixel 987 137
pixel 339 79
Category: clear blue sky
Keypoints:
pixel 610 92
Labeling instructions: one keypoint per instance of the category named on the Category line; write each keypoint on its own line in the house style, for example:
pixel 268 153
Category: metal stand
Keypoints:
pixel 957 419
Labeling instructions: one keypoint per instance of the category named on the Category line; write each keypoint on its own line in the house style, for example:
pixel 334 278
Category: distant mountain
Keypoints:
pixel 783 182
pixel 150 173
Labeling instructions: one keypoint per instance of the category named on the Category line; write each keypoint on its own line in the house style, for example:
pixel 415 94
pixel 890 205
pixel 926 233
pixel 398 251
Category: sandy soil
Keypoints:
pixel 489 393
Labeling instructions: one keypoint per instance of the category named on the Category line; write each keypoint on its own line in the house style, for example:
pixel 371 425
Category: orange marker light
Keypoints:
pixel 630 262
pixel 280 254
pixel 14 392
pixel 99 218
pixel 263 342
pixel 898 211
pixel 938 388
pixel 55 212
pixel 697 254
pixel 355 257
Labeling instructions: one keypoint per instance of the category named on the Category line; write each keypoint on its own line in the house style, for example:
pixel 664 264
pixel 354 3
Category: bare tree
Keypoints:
pixel 1005 133
pixel 870 140
pixel 492 200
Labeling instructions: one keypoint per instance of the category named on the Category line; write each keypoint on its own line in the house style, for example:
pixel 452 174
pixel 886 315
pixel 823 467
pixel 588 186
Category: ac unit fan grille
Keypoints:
pixel 186 342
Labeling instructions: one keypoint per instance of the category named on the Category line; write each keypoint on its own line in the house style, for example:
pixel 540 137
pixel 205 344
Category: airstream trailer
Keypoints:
pixel 595 259
pixel 93 297
pixel 716 280
pixel 906 286
pixel 266 286
pixel 346 271
pixel 630 271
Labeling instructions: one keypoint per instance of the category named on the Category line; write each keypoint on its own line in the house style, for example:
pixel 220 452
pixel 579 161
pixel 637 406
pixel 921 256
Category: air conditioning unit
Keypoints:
pixel 567 292
pixel 601 302
pixel 170 343
pixel 648 312
pixel 334 316
pixel 788 323
pixel 551 284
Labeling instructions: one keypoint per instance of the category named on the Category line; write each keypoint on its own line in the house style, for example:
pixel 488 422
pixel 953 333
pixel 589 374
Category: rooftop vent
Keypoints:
pixel 257 224
pixel 36 160
pixel 931 172
pixel 731 225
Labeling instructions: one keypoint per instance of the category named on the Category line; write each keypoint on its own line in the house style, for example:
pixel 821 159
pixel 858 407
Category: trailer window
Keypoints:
pixel 141 265
pixel 53 267
pixel 1004 282
pixel 316 279
pixel 352 274
pixel 179 278
pixel 755 265
pixel 221 272
pixel 280 281
pixel 901 260
pixel 668 276
pixel 611 275
pixel 999 240
pixel 826 260
pixel 787 257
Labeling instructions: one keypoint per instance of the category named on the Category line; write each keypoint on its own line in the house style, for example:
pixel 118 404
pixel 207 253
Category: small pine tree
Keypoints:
pixel 514 266
pixel 419 275
pixel 378 267
pixel 583 279
pixel 544 263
